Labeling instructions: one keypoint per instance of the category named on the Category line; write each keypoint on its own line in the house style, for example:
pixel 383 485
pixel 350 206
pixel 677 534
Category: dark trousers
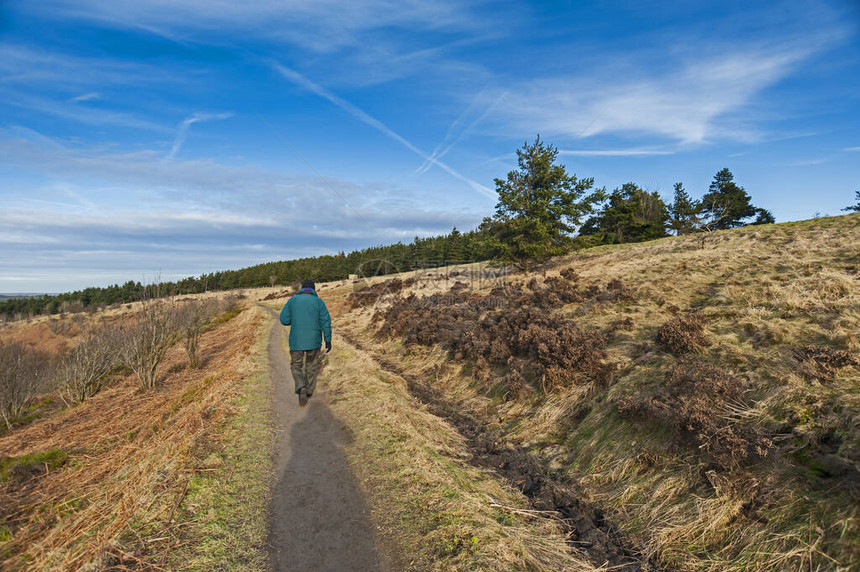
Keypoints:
pixel 305 365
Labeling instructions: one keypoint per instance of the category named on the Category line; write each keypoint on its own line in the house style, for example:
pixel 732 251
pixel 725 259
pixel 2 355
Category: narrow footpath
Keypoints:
pixel 318 518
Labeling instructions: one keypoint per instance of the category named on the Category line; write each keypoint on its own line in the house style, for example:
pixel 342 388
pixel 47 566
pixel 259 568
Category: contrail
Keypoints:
pixel 182 132
pixel 362 116
pixel 439 152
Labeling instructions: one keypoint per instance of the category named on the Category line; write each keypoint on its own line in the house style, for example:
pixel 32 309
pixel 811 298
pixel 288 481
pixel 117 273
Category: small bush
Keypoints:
pixel 24 373
pixel 83 369
pixel 569 274
pixel 695 402
pixel 191 317
pixel 224 310
pixel 148 339
pixel 683 334
pixel 822 363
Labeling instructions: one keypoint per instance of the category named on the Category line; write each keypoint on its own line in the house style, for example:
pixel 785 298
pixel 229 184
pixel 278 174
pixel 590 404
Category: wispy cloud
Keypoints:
pixel 49 82
pixel 852 149
pixel 86 97
pixel 198 201
pixel 321 26
pixel 809 162
pixel 182 130
pixel 78 113
pixel 364 117
pixel 614 152
pixel 38 66
pixel 688 103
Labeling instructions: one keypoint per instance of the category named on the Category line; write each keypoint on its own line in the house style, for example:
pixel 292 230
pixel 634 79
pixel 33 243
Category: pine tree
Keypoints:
pixel 539 206
pixel 683 212
pixel 629 215
pixel 763 216
pixel 726 203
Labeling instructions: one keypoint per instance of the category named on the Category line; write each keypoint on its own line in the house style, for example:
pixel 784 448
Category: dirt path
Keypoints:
pixel 318 519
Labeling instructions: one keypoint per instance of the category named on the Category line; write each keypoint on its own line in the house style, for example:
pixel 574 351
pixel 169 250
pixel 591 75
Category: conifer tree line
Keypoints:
pixel 540 205
pixel 542 211
pixel 631 214
pixel 432 251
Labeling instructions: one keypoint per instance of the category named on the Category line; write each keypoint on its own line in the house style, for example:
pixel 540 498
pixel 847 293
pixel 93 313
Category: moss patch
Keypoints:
pixel 22 468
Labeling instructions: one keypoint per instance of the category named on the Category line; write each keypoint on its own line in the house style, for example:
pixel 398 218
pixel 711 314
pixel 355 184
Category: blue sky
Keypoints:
pixel 169 138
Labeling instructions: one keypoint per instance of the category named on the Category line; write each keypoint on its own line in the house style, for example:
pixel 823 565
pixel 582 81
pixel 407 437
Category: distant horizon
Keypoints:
pixel 28 294
pixel 179 277
pixel 139 141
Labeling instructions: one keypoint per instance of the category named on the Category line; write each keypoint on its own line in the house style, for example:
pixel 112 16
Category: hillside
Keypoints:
pixel 677 404
pixel 163 479
pixel 706 395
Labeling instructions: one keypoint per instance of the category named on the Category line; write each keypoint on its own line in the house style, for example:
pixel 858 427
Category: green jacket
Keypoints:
pixel 308 319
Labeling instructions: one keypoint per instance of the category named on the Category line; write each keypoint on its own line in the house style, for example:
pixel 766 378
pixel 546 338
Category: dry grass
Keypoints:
pixel 780 315
pixel 131 455
pixel 444 513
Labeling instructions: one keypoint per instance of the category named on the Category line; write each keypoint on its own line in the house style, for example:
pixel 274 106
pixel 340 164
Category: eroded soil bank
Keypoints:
pixel 588 530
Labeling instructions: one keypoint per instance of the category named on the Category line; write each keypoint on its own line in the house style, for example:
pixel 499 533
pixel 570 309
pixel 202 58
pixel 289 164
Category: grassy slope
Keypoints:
pixel 438 511
pixel 765 292
pixel 226 500
pixel 196 443
pixel 174 477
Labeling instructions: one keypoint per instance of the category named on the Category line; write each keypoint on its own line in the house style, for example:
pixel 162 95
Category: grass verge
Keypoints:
pixel 226 500
pixel 135 491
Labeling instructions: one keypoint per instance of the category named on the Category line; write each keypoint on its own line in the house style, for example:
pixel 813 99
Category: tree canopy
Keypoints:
pixel 726 203
pixel 763 216
pixel 684 211
pixel 539 207
pixel 629 214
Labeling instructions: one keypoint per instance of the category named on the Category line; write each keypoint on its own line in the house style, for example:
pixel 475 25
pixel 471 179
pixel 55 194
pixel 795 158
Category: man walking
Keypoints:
pixel 309 323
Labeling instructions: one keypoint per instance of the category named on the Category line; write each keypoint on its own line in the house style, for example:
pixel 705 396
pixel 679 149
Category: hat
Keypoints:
pixel 308 283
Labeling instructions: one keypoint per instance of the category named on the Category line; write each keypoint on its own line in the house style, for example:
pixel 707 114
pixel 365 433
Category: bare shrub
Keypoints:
pixel 148 339
pixel 190 320
pixel 369 295
pixel 83 369
pixel 533 347
pixel 23 375
pixel 60 326
pixel 683 334
pixel 228 303
pixel 696 402
pixel 822 363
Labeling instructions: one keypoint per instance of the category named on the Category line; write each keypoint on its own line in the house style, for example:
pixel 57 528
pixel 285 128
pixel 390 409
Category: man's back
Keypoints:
pixel 309 320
